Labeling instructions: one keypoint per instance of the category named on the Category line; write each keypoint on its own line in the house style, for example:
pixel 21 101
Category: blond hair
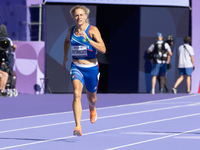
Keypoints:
pixel 85 9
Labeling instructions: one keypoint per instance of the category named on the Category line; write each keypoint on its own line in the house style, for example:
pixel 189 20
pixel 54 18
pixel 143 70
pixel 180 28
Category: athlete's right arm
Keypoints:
pixel 66 48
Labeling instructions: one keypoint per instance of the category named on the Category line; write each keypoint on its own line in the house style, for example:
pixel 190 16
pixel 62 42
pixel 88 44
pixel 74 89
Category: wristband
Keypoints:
pixel 88 40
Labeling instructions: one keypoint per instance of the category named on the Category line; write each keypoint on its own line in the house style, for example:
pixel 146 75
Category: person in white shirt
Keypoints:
pixel 186 64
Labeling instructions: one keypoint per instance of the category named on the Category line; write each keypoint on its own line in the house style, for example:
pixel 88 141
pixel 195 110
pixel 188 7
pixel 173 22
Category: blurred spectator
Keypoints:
pixel 186 64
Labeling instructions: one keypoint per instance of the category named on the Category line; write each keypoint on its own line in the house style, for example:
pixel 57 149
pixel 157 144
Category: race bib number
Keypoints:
pixel 79 51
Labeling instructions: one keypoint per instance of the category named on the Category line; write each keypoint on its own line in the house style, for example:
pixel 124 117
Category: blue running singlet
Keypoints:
pixel 80 48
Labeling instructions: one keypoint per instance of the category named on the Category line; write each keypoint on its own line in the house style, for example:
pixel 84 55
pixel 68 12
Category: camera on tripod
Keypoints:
pixel 4 44
pixel 5 48
pixel 169 40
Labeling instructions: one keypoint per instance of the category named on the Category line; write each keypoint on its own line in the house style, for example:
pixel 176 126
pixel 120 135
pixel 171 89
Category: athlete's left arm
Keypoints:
pixel 97 41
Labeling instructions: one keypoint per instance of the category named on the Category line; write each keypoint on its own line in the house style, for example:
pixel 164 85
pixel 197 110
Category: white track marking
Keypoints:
pixel 188 137
pixel 104 117
pixel 144 133
pixel 154 101
pixel 35 127
pixel 112 129
pixel 43 115
pixel 155 139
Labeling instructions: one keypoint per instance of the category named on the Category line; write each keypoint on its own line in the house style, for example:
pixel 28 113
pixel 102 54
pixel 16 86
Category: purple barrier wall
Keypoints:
pixel 196 44
pixel 29 67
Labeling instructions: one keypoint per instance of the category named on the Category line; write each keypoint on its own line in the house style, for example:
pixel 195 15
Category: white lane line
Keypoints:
pixel 149 102
pixel 104 117
pixel 35 127
pixel 106 130
pixel 43 115
pixel 188 137
pixel 144 133
pixel 155 139
pixel 60 113
pixel 171 103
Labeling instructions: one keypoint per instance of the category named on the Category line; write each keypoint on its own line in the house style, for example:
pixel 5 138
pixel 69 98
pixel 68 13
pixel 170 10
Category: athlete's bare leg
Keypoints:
pixel 77 107
pixel 92 99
